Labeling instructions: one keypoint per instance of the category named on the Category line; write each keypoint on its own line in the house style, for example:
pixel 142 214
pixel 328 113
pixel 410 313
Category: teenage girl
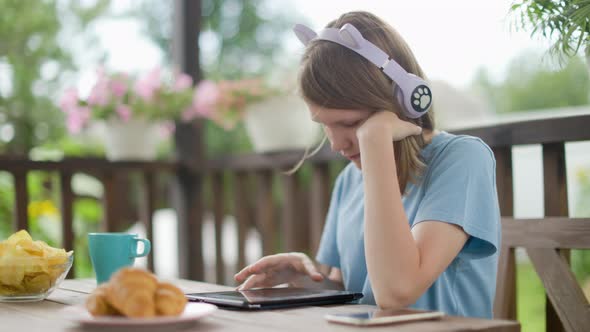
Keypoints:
pixel 414 218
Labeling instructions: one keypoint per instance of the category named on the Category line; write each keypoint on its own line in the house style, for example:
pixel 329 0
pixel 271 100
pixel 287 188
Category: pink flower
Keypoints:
pixel 183 82
pixel 69 100
pixel 124 112
pixel 77 119
pixel 205 98
pixel 147 86
pixel 99 95
pixel 119 86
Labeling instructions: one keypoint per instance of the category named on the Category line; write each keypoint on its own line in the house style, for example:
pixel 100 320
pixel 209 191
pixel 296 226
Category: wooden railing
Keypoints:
pixel 289 211
pixel 108 173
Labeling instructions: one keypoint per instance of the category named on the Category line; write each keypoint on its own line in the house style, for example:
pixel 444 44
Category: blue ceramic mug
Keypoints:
pixel 111 251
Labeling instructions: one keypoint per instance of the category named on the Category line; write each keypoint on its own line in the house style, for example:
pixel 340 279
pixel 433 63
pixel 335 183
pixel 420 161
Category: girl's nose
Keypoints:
pixel 338 143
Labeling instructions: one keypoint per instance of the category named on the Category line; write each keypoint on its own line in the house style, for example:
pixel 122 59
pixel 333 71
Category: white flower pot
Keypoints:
pixel 136 139
pixel 280 123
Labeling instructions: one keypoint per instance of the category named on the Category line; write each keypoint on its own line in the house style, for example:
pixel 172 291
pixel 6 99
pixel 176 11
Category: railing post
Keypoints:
pixel 265 212
pixel 189 144
pixel 111 207
pixel 242 214
pixel 67 218
pixel 188 199
pixel 218 205
pixel 505 302
pixel 147 208
pixel 320 201
pixel 21 200
pixel 555 191
pixel 295 223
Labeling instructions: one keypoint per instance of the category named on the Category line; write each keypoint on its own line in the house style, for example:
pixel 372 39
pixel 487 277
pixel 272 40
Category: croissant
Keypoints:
pixel 131 291
pixel 170 300
pixel 98 305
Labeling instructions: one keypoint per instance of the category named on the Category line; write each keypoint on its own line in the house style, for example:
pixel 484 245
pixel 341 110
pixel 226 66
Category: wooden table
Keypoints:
pixel 45 315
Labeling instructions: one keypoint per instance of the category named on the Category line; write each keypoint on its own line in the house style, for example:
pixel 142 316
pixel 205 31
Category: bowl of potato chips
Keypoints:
pixel 30 270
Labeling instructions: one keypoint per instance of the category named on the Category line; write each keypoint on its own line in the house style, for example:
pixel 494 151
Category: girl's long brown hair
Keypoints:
pixel 332 76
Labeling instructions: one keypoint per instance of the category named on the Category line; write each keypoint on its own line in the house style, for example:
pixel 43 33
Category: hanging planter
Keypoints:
pixel 134 139
pixel 280 123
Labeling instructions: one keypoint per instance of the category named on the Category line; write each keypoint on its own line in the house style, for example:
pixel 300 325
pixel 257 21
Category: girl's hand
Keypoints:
pixel 269 271
pixel 388 123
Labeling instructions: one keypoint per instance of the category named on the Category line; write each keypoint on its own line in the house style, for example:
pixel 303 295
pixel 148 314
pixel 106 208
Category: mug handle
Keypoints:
pixel 147 246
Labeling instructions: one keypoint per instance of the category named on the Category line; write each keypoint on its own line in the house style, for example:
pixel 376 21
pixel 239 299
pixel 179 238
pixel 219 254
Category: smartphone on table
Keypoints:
pixel 381 317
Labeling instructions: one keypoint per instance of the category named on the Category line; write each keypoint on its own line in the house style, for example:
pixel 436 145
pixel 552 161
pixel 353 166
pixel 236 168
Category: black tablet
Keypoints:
pixel 274 298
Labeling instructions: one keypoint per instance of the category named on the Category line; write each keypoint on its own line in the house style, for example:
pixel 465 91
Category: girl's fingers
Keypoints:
pixel 254 281
pixel 306 266
pixel 259 266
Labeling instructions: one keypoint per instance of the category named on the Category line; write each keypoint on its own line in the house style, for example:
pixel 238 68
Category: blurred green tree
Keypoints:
pixel 530 85
pixel 239 38
pixel 565 22
pixel 34 55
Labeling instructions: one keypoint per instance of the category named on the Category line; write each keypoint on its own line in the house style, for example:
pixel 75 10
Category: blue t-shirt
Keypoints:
pixel 458 186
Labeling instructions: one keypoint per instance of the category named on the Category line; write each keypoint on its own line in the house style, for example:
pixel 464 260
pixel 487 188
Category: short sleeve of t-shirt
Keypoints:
pixel 460 189
pixel 328 248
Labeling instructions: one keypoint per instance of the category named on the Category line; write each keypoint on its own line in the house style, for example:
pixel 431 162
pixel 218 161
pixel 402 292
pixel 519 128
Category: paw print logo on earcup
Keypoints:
pixel 421 98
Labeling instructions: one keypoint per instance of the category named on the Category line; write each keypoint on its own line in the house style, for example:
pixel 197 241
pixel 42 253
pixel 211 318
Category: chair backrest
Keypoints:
pixel 546 241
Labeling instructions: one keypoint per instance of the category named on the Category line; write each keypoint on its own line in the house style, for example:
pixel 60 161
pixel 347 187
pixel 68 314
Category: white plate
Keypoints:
pixel 192 312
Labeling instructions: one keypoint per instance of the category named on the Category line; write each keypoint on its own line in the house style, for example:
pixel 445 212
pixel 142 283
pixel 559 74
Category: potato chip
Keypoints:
pixel 29 267
pixel 10 290
pixel 32 248
pixel 18 236
pixel 37 283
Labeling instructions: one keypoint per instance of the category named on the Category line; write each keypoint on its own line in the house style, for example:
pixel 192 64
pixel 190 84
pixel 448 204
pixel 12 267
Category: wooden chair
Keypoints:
pixel 546 241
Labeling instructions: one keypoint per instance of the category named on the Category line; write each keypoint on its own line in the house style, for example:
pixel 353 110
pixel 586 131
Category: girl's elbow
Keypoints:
pixel 395 299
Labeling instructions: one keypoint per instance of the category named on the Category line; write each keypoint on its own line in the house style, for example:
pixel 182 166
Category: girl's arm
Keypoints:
pixel 401 263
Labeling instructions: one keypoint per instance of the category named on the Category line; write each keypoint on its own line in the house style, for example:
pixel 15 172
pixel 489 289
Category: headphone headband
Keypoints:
pixel 412 92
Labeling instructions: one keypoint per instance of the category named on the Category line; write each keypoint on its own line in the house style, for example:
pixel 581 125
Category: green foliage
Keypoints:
pixel 6 204
pixel 32 62
pixel 530 85
pixel 247 34
pixel 580 259
pixel 87 217
pixel 565 22
pixel 530 297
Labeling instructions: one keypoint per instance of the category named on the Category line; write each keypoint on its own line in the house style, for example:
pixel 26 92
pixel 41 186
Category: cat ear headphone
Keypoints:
pixel 412 92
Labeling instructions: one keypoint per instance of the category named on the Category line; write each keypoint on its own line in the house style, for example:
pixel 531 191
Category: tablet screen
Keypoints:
pixel 273 295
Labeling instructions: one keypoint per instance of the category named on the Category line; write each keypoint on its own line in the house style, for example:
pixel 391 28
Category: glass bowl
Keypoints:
pixel 30 279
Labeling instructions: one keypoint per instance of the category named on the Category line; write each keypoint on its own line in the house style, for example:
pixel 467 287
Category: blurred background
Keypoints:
pixel 484 67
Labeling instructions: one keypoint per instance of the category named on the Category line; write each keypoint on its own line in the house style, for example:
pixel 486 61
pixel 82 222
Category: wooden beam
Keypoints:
pixel 555 232
pixel 555 130
pixel 563 290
